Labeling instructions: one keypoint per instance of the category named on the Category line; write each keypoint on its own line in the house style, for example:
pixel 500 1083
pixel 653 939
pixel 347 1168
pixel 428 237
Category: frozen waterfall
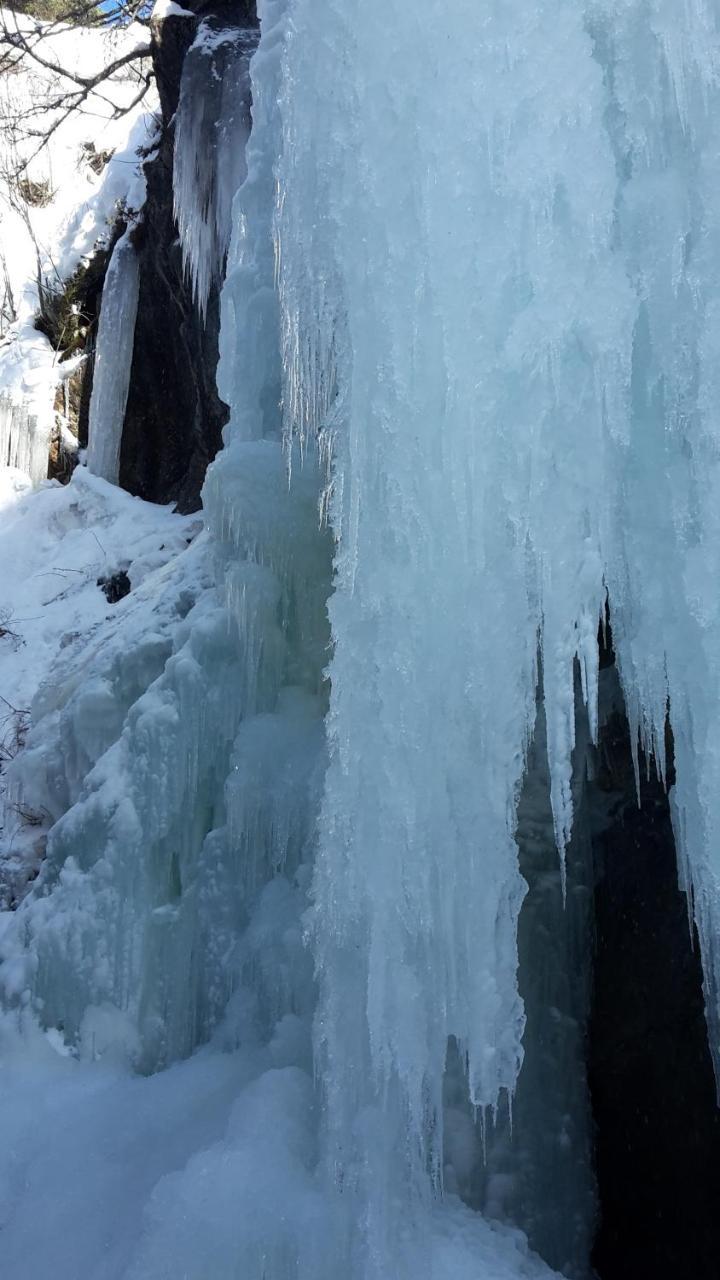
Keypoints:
pixel 299 791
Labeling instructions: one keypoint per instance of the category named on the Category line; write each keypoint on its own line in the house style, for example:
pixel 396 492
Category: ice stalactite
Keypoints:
pixel 211 128
pixel 24 439
pixel 113 359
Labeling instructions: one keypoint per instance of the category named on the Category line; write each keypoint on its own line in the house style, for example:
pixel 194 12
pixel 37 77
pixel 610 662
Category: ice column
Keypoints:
pixel 113 359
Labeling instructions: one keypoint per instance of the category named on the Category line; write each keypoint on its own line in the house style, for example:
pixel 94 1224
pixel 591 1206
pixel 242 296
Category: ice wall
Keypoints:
pixel 212 124
pixel 113 359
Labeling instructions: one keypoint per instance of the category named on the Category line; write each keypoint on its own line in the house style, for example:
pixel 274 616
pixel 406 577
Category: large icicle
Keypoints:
pixel 113 359
pixel 211 127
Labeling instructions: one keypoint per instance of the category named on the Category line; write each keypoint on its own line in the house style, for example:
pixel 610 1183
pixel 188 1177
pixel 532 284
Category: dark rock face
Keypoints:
pixel 657 1125
pixel 174 416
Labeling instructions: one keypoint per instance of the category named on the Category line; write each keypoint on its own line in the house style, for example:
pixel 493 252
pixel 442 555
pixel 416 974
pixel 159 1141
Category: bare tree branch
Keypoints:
pixel 24 41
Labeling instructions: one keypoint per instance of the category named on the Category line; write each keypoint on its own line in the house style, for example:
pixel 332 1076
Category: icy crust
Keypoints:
pixel 212 125
pixel 133 769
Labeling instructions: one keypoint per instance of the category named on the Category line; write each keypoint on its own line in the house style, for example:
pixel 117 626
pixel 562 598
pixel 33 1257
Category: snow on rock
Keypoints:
pixel 169 9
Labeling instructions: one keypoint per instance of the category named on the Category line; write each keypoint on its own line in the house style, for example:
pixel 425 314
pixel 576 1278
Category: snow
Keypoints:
pixel 180 1173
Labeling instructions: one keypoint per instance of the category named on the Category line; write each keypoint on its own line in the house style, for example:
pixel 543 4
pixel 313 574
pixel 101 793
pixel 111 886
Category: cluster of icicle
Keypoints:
pixel 24 439
pixel 499 259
